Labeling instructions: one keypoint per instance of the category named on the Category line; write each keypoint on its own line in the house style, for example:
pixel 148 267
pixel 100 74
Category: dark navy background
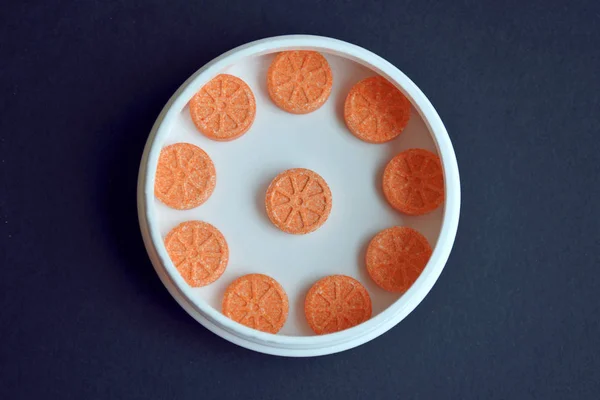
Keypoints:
pixel 515 314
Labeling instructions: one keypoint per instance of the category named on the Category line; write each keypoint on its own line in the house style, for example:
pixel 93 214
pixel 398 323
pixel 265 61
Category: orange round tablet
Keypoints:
pixel 299 82
pixel 396 257
pixel 198 251
pixel 298 201
pixel 376 111
pixel 224 109
pixel 336 303
pixel 185 176
pixel 413 182
pixel 257 301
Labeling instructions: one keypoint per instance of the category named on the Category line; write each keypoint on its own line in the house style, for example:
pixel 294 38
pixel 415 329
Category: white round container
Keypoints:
pixel 278 141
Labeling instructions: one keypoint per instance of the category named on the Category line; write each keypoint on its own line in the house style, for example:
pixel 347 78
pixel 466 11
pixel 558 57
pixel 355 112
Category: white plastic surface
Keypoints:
pixel 278 141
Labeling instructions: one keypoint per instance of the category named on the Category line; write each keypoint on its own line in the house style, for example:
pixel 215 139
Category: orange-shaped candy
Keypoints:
pixel 299 82
pixel 298 201
pixel 376 111
pixel 199 252
pixel 224 108
pixel 185 176
pixel 413 182
pixel 396 257
pixel 257 301
pixel 336 303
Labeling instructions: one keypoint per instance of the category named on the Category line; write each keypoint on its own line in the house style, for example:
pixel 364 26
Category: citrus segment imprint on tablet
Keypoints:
pixel 198 251
pixel 413 182
pixel 257 301
pixel 298 201
pixel 185 176
pixel 224 109
pixel 299 82
pixel 396 257
pixel 376 111
pixel 336 303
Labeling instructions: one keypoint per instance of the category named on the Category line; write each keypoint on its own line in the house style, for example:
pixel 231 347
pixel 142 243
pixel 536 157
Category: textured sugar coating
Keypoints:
pixel 185 176
pixel 298 201
pixel 336 303
pixel 299 82
pixel 257 301
pixel 396 257
pixel 224 109
pixel 413 182
pixel 198 251
pixel 376 111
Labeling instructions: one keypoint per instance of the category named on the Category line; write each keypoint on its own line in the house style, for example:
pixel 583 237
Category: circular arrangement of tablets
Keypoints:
pixel 299 201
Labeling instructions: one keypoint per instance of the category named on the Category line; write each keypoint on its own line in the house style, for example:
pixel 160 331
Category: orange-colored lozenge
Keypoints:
pixel 198 251
pixel 185 176
pixel 257 301
pixel 299 82
pixel 298 201
pixel 396 257
pixel 413 182
pixel 224 109
pixel 336 303
pixel 376 111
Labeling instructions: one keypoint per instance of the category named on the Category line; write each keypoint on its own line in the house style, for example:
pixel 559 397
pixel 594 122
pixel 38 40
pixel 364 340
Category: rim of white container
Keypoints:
pixel 297 346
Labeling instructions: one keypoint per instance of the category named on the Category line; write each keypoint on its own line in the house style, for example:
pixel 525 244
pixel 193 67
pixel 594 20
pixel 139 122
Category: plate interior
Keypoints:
pixel 278 141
